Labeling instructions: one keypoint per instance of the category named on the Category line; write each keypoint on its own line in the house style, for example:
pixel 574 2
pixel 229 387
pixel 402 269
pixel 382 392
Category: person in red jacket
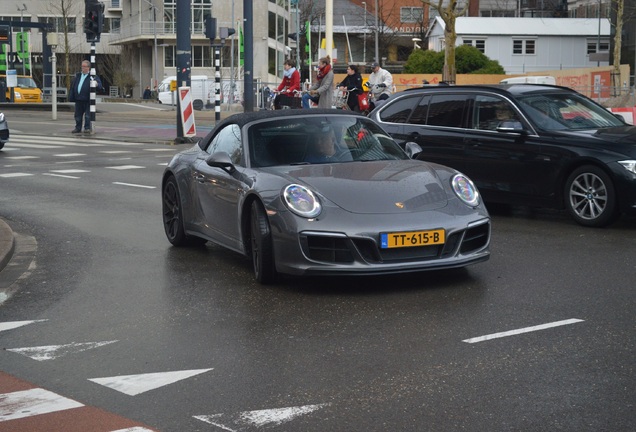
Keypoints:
pixel 290 83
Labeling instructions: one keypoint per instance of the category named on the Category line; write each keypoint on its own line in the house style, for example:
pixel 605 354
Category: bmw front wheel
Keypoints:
pixel 590 197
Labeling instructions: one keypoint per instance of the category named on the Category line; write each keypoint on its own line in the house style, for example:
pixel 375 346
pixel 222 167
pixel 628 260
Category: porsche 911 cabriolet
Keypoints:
pixel 321 192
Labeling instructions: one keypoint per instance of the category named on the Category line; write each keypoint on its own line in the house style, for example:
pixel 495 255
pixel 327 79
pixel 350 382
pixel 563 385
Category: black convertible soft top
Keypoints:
pixel 242 119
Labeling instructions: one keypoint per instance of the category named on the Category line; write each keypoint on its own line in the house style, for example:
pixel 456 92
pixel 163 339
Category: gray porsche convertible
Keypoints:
pixel 321 192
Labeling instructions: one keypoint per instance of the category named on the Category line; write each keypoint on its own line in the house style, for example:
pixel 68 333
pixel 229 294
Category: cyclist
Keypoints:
pixel 287 87
pixel 352 83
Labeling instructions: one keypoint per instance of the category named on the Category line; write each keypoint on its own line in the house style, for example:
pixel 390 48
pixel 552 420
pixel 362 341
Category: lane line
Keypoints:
pixel 135 185
pixel 522 330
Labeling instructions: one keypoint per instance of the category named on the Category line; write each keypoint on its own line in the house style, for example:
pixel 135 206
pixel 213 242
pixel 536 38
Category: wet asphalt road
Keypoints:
pixel 350 354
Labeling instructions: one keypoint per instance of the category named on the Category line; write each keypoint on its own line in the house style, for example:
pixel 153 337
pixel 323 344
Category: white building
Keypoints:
pixel 522 45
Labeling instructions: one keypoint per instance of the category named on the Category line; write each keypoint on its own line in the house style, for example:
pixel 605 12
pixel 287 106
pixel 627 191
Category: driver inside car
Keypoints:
pixel 326 149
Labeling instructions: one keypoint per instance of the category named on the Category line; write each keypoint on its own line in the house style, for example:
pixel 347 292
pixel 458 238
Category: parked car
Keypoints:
pixel 539 145
pixel 4 130
pixel 321 192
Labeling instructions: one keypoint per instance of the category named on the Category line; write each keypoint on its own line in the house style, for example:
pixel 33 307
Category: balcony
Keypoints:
pixel 144 30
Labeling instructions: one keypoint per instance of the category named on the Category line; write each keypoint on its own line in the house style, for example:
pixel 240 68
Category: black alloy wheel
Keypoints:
pixel 261 245
pixel 173 216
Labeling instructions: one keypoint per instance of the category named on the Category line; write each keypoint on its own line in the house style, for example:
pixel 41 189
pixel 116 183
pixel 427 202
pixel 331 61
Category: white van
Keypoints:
pixel 532 79
pixel 201 88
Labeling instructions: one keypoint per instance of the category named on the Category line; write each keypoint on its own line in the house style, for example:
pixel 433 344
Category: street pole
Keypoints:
pixel 598 38
pixel 155 79
pixel 364 49
pixel 377 30
pixel 22 34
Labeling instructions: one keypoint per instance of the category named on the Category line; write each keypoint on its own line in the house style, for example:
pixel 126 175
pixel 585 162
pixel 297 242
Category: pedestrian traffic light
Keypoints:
pixel 93 20
pixel 210 28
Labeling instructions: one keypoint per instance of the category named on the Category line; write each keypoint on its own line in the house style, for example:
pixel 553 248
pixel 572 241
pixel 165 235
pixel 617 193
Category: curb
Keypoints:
pixel 7 244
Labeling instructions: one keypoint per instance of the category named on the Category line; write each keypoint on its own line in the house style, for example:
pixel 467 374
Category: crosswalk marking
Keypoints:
pixel 18 174
pixel 24 140
pixel 32 402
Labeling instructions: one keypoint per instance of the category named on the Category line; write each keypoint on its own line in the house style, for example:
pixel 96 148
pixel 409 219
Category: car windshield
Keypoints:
pixel 26 82
pixel 566 111
pixel 319 139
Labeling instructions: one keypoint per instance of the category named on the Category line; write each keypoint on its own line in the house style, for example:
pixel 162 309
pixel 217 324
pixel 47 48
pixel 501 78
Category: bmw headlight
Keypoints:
pixel 629 165
pixel 301 201
pixel 465 190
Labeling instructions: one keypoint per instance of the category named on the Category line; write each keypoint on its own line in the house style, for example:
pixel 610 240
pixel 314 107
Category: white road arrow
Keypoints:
pixel 136 384
pixel 15 324
pixel 249 420
pixel 51 352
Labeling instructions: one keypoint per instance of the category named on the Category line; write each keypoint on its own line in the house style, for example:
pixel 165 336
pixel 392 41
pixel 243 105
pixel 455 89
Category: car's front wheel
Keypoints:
pixel 173 216
pixel 261 245
pixel 590 197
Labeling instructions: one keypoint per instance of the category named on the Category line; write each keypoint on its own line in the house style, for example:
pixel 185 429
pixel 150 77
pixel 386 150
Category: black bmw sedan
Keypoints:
pixel 526 144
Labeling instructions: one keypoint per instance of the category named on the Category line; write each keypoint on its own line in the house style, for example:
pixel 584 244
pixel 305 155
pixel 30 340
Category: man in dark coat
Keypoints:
pixel 81 94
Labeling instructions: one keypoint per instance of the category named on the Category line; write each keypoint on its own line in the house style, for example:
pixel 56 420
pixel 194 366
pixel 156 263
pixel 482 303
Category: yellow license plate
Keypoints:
pixel 412 238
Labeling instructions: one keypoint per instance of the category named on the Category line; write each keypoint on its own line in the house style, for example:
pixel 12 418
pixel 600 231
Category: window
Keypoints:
pixel 58 23
pixel 490 112
pixel 115 24
pixel 523 46
pixel 480 44
pixel 411 14
pixel 400 111
pixel 446 110
pixel 201 56
pixel 228 140
pixel 603 46
pixel 200 10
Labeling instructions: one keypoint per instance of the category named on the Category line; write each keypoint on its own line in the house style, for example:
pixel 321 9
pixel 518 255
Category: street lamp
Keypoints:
pixel 154 30
pixel 364 46
pixel 415 41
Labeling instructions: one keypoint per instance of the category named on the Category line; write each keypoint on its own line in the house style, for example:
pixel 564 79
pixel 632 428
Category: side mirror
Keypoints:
pixel 221 160
pixel 412 149
pixel 513 126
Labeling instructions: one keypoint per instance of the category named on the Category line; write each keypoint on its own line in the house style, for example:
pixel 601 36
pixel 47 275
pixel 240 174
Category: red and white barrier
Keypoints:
pixel 187 112
pixel 629 114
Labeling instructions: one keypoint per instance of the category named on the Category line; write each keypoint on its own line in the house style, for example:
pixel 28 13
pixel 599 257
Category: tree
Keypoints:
pixel 66 9
pixel 115 66
pixel 471 61
pixel 448 14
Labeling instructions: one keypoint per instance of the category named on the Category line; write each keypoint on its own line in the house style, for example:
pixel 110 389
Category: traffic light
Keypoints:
pixel 93 20
pixel 210 28
pixel 226 32
pixel 5 32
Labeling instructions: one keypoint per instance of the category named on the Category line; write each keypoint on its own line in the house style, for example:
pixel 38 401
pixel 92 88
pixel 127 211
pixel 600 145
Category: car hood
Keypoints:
pixel 622 135
pixel 375 187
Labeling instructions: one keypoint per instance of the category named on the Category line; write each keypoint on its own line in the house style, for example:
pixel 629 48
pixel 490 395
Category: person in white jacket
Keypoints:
pixel 380 84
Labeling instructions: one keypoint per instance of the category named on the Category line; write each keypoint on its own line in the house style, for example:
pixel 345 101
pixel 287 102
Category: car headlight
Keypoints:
pixel 465 189
pixel 629 165
pixel 1 117
pixel 301 201
pixel 17 95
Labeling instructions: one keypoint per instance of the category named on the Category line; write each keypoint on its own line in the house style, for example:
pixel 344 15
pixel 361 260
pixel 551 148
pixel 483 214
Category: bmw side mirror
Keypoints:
pixel 412 149
pixel 513 126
